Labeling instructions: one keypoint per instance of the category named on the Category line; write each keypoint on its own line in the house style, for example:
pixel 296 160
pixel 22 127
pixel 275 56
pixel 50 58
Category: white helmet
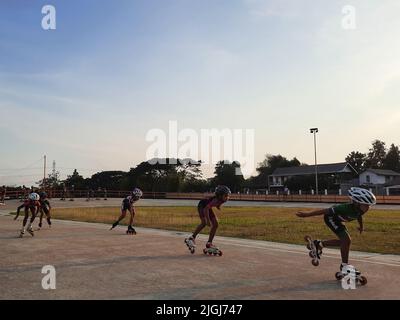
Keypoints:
pixel 34 197
pixel 362 196
pixel 137 193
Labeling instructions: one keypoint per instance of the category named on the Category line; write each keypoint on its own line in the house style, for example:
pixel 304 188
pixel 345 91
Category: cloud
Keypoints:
pixel 276 9
pixel 273 13
pixel 220 57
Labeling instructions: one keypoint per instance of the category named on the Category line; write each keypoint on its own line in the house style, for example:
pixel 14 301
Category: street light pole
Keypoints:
pixel 44 174
pixel 315 131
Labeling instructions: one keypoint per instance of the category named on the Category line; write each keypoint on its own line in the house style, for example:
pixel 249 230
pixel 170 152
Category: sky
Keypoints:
pixel 87 93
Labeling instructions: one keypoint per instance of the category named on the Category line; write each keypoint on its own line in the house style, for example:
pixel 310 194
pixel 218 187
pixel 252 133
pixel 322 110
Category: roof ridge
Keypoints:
pixel 306 170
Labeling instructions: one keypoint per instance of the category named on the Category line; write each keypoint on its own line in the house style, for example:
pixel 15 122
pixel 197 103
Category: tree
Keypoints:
pixel 197 185
pixel 272 162
pixel 52 181
pixel 392 159
pixel 189 169
pixel 267 167
pixel 376 155
pixel 76 180
pixel 357 160
pixel 110 180
pixel 229 174
pixel 163 175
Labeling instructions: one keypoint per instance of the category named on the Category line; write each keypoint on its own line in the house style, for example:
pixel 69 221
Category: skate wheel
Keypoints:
pixel 363 280
pixel 220 253
pixel 204 251
pixel 338 276
pixel 315 262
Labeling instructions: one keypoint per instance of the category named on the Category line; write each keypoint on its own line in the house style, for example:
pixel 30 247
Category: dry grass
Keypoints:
pixel 273 224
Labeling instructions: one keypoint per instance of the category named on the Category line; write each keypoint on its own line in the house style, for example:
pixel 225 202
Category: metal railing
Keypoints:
pixel 282 198
pixel 69 194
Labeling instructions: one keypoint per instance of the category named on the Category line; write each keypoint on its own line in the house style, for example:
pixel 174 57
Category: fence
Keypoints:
pixel 283 198
pixel 69 194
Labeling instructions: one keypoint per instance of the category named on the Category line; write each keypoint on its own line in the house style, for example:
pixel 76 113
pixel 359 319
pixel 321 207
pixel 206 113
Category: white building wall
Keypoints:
pixel 374 178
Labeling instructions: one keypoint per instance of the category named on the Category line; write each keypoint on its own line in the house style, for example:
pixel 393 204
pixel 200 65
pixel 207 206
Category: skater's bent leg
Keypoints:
pixel 48 217
pixel 342 233
pixel 41 217
pixel 26 217
pixel 132 212
pixel 121 217
pixel 200 227
pixel 33 212
pixel 345 248
pixel 213 231
pixel 331 243
pixel 33 216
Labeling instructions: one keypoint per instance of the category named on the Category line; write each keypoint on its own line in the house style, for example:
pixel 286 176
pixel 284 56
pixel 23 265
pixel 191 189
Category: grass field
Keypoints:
pixel 382 234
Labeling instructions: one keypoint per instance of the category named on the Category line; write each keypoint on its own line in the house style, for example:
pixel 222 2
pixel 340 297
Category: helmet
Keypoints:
pixel 34 196
pixel 362 196
pixel 222 190
pixel 43 195
pixel 137 193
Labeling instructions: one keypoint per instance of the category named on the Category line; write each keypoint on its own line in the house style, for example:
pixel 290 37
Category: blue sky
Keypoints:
pixel 87 93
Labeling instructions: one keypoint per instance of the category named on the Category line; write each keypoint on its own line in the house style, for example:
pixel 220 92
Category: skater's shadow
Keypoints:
pixel 331 285
pixel 124 260
pixel 11 237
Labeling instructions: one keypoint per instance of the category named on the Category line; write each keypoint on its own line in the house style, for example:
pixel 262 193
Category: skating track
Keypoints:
pixel 92 262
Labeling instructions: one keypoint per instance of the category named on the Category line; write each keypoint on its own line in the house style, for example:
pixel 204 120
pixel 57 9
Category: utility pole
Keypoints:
pixel 315 131
pixel 44 173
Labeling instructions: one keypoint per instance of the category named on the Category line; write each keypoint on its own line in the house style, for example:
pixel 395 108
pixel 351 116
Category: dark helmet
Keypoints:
pixel 222 190
pixel 43 195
